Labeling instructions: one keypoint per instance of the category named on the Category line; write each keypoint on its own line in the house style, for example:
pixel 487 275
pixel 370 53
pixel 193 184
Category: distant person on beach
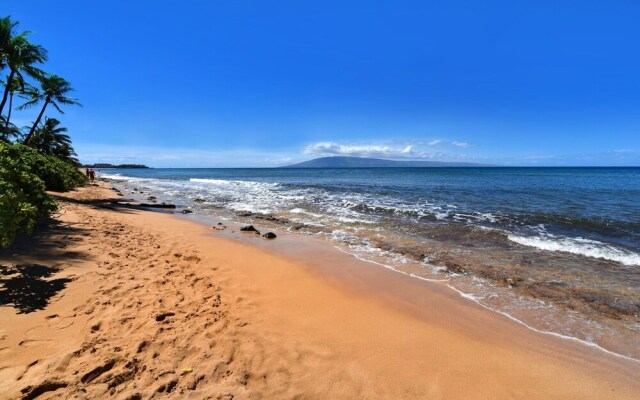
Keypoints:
pixel 92 174
pixel 86 171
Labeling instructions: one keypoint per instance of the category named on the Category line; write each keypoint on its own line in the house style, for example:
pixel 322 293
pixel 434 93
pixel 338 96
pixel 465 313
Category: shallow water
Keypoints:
pixel 556 248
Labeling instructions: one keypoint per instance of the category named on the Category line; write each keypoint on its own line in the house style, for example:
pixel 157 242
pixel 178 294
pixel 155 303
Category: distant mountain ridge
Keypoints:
pixel 362 162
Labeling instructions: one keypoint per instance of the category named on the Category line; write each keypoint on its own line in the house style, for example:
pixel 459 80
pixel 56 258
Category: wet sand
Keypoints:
pixel 115 301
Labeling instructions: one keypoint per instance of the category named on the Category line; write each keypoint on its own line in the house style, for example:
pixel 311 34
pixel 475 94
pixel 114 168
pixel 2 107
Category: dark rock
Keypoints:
pixel 269 235
pixel 152 198
pixel 163 205
pixel 248 228
pixel 245 214
pixel 186 211
pixel 272 218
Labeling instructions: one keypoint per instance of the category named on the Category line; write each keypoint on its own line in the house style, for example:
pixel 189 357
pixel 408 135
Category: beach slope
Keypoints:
pixel 111 300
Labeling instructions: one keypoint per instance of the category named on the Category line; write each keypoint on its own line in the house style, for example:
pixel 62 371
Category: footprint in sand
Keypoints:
pixel 57 322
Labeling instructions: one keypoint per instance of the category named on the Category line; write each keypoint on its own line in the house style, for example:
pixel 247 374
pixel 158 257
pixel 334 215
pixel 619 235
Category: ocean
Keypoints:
pixel 556 249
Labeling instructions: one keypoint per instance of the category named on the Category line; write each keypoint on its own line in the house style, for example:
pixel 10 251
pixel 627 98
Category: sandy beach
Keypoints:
pixel 111 301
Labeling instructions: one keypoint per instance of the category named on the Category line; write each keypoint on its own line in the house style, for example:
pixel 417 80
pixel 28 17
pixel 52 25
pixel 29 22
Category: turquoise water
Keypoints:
pixel 518 240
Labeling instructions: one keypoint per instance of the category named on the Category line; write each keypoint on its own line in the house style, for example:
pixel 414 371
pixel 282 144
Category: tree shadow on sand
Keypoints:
pixel 26 288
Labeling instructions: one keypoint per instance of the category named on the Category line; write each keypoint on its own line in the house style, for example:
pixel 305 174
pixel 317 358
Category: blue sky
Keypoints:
pixel 249 83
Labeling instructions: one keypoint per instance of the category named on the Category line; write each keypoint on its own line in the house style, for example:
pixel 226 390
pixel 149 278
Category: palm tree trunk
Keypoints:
pixel 7 89
pixel 6 125
pixel 35 124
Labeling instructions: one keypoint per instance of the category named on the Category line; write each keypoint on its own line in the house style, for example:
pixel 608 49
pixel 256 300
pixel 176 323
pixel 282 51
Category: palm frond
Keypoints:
pixel 56 106
pixel 28 104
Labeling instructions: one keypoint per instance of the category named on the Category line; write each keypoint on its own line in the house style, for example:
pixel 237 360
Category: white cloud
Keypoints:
pixel 434 142
pixel 360 150
pixel 463 145
pixel 415 150
pixel 408 149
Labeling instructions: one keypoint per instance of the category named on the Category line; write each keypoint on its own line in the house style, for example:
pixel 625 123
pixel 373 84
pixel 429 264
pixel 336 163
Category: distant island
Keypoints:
pixel 362 162
pixel 114 166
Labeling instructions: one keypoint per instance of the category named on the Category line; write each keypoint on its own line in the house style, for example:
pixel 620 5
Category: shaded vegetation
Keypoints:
pixel 23 200
pixel 41 157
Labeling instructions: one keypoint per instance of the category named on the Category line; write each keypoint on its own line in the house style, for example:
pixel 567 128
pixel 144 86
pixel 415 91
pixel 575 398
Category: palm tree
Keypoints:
pixel 17 85
pixel 6 27
pixel 20 55
pixel 51 138
pixel 53 90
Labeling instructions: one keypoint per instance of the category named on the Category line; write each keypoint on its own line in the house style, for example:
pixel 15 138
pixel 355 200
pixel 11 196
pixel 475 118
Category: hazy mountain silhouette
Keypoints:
pixel 362 162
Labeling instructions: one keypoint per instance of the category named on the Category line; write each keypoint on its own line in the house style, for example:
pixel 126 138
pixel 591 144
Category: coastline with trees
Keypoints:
pixel 37 157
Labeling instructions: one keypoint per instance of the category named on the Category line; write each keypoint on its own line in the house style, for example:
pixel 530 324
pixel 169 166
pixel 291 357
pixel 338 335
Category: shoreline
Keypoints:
pixel 575 296
pixel 389 334
pixel 293 240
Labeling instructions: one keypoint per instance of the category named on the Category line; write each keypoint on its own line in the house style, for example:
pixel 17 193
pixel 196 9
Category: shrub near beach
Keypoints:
pixel 23 199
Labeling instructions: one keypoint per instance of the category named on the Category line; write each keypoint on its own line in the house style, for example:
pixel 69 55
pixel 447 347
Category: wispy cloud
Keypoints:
pixel 416 150
pixel 361 150
pixel 463 145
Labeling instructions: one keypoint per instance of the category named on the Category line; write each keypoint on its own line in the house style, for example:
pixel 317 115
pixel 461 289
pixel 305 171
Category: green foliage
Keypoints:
pixel 57 175
pixel 48 161
pixel 23 199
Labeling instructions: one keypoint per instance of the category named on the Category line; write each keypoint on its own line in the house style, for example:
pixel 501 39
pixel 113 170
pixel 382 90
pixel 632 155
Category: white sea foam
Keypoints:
pixel 234 183
pixel 122 178
pixel 580 246
pixel 115 177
